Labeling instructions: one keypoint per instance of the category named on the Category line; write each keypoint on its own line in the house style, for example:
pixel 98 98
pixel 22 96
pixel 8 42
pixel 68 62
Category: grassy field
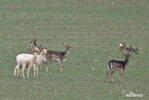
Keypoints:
pixel 94 29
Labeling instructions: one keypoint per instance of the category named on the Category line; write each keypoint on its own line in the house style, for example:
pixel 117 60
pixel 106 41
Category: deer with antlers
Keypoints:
pixel 59 56
pixel 129 48
pixel 116 65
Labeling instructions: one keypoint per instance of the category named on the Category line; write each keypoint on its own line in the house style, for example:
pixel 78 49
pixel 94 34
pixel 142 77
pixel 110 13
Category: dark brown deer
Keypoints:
pixel 116 65
pixel 129 48
pixel 59 56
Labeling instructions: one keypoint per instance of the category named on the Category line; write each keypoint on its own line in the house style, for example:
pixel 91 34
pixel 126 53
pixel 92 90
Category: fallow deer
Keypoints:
pixel 116 65
pixel 37 48
pixel 59 56
pixel 129 48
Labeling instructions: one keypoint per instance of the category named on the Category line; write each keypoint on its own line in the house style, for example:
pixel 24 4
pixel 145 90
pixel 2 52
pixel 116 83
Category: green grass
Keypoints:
pixel 94 29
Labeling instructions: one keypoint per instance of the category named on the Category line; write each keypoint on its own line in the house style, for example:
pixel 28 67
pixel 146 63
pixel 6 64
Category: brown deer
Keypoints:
pixel 59 56
pixel 116 65
pixel 129 48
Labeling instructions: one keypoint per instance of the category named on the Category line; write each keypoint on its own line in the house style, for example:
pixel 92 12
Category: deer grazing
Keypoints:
pixel 116 65
pixel 29 60
pixel 59 56
pixel 129 48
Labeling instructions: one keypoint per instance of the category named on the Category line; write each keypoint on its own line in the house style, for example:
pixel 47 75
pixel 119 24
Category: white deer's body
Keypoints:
pixel 23 58
pixel 24 61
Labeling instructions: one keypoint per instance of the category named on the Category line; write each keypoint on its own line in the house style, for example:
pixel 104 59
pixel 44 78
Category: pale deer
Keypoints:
pixel 36 48
pixel 116 65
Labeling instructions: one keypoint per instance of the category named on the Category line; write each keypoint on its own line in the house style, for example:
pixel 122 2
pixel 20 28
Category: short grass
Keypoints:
pixel 94 29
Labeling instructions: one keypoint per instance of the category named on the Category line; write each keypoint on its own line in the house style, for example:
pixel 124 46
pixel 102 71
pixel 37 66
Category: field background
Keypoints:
pixel 94 29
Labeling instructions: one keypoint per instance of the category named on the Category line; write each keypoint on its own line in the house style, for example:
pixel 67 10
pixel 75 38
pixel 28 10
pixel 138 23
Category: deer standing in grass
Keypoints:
pixel 116 65
pixel 129 48
pixel 59 56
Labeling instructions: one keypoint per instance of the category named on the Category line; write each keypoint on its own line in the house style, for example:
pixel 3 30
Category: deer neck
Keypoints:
pixel 35 55
pixel 67 52
pixel 126 61
pixel 41 56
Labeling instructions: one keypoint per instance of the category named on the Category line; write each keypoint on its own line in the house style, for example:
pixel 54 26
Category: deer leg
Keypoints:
pixel 46 66
pixel 41 66
pixel 19 71
pixel 107 74
pixel 122 74
pixel 37 70
pixel 15 70
pixel 112 76
pixel 28 70
pixel 61 66
pixel 23 73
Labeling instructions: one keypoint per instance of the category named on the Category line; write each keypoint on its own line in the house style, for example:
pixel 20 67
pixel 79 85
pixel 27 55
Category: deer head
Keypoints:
pixel 44 51
pixel 129 48
pixel 67 47
pixel 136 51
pixel 127 56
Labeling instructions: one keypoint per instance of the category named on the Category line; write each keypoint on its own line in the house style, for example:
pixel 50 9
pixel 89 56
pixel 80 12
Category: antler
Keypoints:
pixel 36 48
pixel 35 43
pixel 35 40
